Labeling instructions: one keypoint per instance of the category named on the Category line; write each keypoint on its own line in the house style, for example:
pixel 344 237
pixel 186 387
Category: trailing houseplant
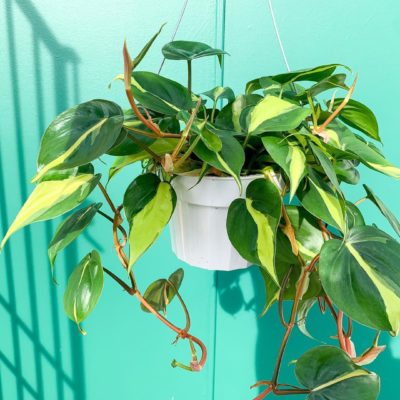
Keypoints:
pixel 312 245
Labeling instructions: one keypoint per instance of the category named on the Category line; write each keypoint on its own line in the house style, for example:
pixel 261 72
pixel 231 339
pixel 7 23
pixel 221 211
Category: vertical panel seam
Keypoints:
pixel 220 17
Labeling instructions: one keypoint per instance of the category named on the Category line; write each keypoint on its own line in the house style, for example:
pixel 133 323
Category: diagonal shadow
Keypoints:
pixel 65 86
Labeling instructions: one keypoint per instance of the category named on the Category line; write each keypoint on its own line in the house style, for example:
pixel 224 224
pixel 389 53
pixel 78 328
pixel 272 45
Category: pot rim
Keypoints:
pixel 219 178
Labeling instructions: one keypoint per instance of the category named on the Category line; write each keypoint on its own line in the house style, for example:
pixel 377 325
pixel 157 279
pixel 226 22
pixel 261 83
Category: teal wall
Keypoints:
pixel 54 54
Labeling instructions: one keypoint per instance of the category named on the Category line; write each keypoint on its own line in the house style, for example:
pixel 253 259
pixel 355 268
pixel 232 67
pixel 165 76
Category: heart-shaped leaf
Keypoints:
pixel 79 135
pixel 289 156
pixel 320 200
pixel 148 205
pixel 187 50
pixel 358 116
pixel 252 224
pixel 362 277
pixel 275 115
pixel 329 373
pixel 50 199
pixel 219 93
pixel 84 288
pixel 70 229
pixel 160 94
pixel 229 159
pixel 161 292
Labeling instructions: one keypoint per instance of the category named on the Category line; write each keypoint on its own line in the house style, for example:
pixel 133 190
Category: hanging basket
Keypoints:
pixel 198 225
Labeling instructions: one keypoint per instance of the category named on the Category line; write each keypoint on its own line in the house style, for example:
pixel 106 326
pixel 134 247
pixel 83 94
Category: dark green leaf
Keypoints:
pixel 336 81
pixel 79 135
pixel 353 216
pixel 229 160
pixel 394 222
pixel 319 199
pixel 359 116
pixel 161 292
pixel 330 374
pixel 326 165
pixel 70 229
pixel 347 172
pixel 84 288
pixel 186 50
pixel 252 224
pixel 160 94
pixel 362 277
pixel 143 52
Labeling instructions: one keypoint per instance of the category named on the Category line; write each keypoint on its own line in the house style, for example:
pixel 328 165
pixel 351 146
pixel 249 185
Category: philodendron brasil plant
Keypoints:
pixel 312 246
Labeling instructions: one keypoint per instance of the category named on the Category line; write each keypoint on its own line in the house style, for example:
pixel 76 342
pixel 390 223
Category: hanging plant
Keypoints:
pixel 256 178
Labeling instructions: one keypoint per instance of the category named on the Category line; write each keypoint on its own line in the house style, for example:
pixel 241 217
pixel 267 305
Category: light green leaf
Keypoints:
pixel 330 374
pixel 365 280
pixel 320 200
pixel 394 222
pixel 70 229
pixel 50 199
pixel 275 115
pixel 186 50
pixel 79 135
pixel 161 292
pixel 148 205
pixel 289 156
pixel 252 224
pixel 84 288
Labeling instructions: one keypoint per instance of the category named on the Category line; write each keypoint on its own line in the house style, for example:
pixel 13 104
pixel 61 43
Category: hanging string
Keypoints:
pixel 278 36
pixel 175 30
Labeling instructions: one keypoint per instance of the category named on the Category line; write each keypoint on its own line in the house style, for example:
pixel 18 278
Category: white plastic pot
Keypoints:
pixel 198 225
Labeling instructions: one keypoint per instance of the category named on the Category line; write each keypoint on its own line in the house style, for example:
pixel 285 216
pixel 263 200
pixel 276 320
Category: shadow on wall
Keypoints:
pixel 270 332
pixel 55 353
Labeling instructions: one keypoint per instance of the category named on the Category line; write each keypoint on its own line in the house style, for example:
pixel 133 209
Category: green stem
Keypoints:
pixel 189 67
pixel 187 153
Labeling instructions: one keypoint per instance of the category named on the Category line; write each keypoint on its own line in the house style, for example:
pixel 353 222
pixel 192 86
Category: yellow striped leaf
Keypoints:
pixel 79 135
pixel 148 204
pixel 362 277
pixel 50 199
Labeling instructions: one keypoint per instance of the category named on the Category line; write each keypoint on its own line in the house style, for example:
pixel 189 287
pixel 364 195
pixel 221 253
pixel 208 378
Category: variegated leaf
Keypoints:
pixel 50 199
pixel 84 288
pixel 252 224
pixel 273 114
pixel 320 200
pixel 289 156
pixel 329 373
pixel 362 277
pixel 148 205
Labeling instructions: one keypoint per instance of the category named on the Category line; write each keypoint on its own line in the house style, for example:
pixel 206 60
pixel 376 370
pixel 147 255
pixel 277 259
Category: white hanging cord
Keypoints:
pixel 271 9
pixel 176 30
